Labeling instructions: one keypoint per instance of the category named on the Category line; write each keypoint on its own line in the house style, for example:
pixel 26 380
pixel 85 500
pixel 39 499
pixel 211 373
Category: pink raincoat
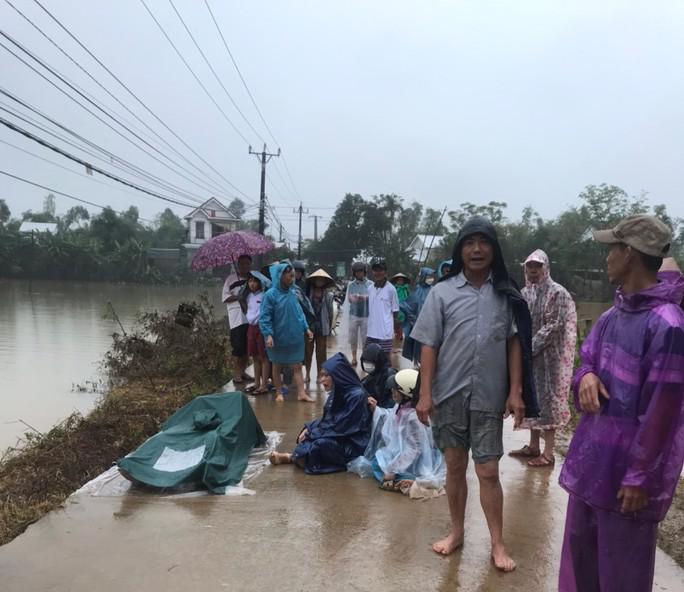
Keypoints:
pixel 554 336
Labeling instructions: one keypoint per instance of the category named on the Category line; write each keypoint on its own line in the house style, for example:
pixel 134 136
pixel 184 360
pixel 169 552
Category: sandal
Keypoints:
pixel 260 391
pixel 525 452
pixel 392 486
pixel 542 461
pixel 251 389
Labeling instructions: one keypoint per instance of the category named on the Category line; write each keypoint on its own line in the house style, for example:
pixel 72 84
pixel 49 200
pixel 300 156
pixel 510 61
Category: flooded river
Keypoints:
pixel 53 336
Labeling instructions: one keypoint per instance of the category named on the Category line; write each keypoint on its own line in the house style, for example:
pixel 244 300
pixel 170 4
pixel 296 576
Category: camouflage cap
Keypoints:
pixel 646 234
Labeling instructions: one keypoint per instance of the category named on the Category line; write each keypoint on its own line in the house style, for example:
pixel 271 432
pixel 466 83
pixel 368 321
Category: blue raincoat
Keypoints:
pixel 282 318
pixel 440 268
pixel 343 432
pixel 411 307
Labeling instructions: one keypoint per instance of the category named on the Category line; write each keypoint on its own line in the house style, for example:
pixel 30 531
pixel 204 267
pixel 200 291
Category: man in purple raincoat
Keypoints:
pixel 626 456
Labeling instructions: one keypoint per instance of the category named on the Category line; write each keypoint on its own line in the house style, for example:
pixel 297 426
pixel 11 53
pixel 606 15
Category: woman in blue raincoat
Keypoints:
pixel 282 324
pixel 411 308
pixel 327 444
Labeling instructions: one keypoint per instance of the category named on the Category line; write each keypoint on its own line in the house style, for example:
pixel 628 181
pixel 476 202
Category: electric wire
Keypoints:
pixel 113 96
pixel 140 101
pixel 187 65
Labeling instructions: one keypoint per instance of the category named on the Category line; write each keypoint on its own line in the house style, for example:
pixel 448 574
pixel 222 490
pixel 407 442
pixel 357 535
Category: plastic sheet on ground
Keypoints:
pixel 112 483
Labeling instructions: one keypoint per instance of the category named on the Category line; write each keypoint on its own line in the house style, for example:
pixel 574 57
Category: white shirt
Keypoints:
pixel 382 304
pixel 254 307
pixel 232 287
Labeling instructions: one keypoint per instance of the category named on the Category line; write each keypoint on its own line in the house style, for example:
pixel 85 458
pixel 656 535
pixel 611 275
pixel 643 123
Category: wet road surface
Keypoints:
pixel 298 533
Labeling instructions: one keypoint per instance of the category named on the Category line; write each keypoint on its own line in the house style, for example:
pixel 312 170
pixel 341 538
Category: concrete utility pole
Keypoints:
pixel 300 211
pixel 315 217
pixel 263 157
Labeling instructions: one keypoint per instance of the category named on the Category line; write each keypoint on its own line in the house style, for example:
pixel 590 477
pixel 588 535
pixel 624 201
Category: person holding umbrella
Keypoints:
pixel 318 293
pixel 282 323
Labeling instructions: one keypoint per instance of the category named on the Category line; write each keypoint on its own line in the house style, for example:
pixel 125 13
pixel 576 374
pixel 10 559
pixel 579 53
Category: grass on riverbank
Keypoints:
pixel 156 369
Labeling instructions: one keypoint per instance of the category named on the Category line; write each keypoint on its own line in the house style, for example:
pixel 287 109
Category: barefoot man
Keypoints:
pixel 475 328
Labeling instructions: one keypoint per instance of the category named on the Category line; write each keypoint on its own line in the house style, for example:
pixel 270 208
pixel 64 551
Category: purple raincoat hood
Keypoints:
pixel 668 290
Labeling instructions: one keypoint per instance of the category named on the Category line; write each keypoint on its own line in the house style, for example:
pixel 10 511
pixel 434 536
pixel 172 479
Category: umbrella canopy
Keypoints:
pixel 225 249
pixel 321 273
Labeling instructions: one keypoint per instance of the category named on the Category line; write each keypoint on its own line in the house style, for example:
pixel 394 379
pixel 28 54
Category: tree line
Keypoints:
pixel 385 225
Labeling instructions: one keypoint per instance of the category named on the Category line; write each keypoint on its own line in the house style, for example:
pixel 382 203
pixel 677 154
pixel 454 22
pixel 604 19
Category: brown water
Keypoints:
pixel 53 336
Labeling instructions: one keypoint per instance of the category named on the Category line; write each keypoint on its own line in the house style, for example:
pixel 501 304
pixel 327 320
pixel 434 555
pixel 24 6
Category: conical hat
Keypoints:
pixel 321 273
pixel 396 276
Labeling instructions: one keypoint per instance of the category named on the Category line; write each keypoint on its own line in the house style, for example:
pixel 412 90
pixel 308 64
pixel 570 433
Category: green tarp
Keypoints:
pixel 206 443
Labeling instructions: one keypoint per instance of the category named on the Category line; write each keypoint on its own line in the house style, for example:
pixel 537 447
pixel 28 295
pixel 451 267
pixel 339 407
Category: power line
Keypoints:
pixel 138 172
pixel 144 105
pixel 68 170
pixel 113 96
pixel 35 138
pixel 218 79
pixel 204 88
pixel 61 78
pixel 51 190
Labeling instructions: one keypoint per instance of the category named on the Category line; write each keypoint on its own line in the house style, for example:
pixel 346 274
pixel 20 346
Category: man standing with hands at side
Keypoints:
pixel 475 328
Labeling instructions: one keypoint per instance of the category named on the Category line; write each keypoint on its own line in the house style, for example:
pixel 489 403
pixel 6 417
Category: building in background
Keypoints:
pixel 206 221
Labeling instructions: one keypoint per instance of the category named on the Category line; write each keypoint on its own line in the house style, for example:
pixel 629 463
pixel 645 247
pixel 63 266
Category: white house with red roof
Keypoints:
pixel 206 221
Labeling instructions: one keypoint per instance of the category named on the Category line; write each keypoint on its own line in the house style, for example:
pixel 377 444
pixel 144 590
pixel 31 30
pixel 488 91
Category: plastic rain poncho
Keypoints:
pixel 411 309
pixel 637 350
pixel 283 319
pixel 342 433
pixel 402 446
pixel 554 337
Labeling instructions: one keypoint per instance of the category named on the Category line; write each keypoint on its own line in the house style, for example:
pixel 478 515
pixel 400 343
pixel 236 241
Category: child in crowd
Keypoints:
pixel 321 299
pixel 257 284
pixel 402 283
pixel 375 363
pixel 401 450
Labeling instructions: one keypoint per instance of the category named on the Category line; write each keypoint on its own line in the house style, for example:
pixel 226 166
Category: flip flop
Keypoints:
pixel 251 389
pixel 524 452
pixel 542 461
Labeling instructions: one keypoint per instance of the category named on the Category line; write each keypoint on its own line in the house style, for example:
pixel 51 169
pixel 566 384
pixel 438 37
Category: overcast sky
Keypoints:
pixel 441 102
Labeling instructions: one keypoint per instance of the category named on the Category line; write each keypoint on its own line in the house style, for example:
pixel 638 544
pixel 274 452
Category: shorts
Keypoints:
pixel 238 340
pixel 455 425
pixel 385 344
pixel 256 346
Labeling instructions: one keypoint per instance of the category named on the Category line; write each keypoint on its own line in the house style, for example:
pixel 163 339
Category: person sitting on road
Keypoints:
pixel 401 450
pixel 327 444
pixel 375 363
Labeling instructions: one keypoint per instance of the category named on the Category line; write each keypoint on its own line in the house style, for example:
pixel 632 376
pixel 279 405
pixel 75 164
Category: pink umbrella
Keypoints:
pixel 225 249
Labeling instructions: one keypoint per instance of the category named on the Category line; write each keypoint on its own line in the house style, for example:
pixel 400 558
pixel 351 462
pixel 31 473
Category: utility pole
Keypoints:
pixel 280 237
pixel 263 157
pixel 300 211
pixel 315 217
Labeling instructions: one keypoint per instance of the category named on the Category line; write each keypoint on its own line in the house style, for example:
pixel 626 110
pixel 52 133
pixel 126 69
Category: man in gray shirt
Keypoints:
pixel 471 377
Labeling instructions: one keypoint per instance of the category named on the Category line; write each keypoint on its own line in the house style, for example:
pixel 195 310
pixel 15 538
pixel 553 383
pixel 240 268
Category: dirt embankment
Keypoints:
pixel 167 361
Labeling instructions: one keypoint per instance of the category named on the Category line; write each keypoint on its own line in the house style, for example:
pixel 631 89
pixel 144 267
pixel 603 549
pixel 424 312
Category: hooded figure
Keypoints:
pixel 554 330
pixel 342 433
pixel 444 268
pixel 411 309
pixel 506 286
pixel 282 319
pixel 374 361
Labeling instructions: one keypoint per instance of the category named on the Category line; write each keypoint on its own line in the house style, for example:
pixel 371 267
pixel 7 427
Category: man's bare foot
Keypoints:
pixel 279 398
pixel 501 559
pixel 305 398
pixel 448 545
pixel 279 458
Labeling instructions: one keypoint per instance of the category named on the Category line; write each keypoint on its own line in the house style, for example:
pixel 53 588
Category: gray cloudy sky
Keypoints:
pixel 442 102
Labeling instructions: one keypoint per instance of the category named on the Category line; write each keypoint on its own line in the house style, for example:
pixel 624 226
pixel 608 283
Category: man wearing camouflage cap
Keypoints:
pixel 626 455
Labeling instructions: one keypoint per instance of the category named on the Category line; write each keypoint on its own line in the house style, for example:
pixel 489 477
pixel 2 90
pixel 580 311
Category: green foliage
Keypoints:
pixel 4 212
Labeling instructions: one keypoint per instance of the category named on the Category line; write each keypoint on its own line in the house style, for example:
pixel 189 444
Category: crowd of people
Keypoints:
pixel 480 350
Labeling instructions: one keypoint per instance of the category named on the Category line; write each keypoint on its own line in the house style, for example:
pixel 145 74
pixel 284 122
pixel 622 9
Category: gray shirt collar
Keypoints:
pixel 462 280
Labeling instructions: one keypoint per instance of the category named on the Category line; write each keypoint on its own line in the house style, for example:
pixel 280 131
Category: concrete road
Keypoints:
pixel 298 533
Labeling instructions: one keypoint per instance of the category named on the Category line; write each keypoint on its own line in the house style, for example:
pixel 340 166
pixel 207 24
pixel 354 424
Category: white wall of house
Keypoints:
pixel 209 219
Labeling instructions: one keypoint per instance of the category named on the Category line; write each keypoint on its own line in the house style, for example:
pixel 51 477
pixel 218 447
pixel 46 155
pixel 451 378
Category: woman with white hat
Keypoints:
pixel 318 293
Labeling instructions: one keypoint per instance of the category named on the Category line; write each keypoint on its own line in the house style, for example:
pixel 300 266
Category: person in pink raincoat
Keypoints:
pixel 554 337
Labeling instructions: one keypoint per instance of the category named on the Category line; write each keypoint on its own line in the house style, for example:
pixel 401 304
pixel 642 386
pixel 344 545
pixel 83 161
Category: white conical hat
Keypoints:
pixel 321 273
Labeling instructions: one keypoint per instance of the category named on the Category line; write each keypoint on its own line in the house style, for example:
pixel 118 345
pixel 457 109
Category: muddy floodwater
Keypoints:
pixel 52 338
